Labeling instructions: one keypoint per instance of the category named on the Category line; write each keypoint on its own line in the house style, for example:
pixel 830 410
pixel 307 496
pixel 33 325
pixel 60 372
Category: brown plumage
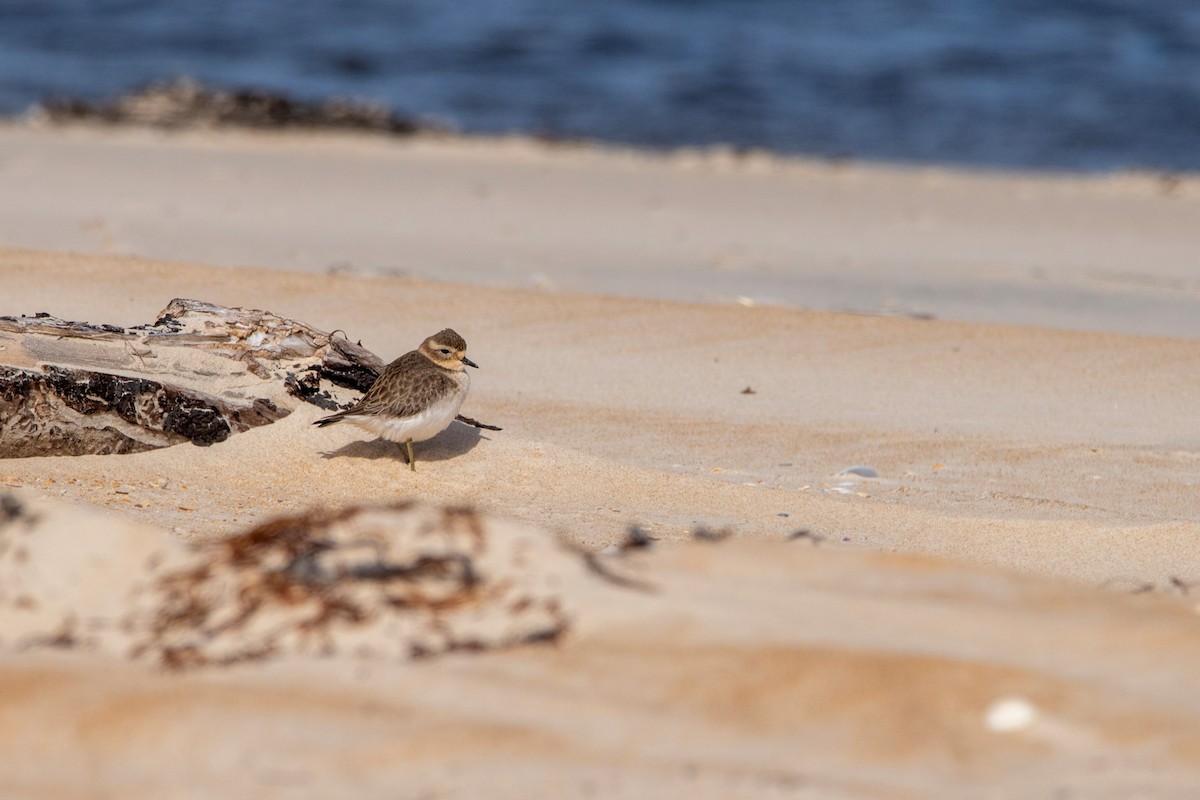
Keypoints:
pixel 405 387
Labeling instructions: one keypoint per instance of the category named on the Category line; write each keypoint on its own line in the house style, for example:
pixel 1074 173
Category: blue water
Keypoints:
pixel 1075 84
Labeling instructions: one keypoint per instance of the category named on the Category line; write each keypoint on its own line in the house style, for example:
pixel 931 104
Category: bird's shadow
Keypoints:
pixel 457 440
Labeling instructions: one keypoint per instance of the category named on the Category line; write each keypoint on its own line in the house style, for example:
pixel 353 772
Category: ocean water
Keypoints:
pixel 1066 84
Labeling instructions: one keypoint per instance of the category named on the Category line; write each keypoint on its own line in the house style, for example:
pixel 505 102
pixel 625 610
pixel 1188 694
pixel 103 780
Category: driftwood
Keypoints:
pixel 199 373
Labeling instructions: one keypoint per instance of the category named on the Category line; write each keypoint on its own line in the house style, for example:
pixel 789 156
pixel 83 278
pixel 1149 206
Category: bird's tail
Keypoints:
pixel 332 418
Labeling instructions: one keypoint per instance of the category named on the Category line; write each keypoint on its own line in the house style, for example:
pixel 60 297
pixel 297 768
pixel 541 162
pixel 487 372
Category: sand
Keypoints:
pixel 1029 479
pixel 1106 253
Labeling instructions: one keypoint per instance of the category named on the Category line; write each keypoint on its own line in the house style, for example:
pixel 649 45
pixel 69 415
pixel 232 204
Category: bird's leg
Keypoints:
pixel 403 452
pixel 412 461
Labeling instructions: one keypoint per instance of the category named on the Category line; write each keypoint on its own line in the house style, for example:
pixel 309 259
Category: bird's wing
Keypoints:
pixel 405 387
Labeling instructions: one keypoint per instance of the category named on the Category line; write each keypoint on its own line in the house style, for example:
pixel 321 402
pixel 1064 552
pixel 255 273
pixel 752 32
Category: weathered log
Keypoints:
pixel 199 373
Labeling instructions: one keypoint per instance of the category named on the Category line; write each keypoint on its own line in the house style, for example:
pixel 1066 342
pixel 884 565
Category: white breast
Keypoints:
pixel 420 426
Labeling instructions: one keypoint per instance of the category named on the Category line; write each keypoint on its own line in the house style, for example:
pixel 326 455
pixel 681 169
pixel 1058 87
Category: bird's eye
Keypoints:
pixel 444 351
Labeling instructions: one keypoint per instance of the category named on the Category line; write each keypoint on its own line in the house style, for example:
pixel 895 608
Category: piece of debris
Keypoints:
pixel 397 581
pixel 749 390
pixel 601 569
pixel 636 538
pixel 1129 585
pixel 860 470
pixel 199 374
pixel 474 423
pixel 186 103
pixel 394 581
pixel 1180 585
pixel 705 534
pixel 11 509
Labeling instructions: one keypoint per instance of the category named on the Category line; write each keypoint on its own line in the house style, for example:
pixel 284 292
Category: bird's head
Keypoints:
pixel 448 350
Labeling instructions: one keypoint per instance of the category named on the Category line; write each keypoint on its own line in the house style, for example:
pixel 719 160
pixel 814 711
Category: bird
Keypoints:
pixel 416 397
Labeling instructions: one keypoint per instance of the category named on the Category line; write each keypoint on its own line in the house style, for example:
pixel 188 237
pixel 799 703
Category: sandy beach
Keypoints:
pixel 994 461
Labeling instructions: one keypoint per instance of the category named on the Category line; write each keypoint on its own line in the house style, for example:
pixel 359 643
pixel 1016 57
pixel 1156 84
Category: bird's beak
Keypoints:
pixel 469 362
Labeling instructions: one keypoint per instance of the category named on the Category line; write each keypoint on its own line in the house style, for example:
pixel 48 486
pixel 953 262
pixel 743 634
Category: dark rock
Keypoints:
pixel 185 103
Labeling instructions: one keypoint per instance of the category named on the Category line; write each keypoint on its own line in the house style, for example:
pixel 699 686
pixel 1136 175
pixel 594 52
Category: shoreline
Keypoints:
pixel 182 103
pixel 1099 253
pixel 714 157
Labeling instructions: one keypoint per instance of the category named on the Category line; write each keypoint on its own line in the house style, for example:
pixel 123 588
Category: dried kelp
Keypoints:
pixel 398 581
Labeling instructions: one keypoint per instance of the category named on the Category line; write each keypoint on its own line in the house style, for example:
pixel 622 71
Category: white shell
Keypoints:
pixel 1010 715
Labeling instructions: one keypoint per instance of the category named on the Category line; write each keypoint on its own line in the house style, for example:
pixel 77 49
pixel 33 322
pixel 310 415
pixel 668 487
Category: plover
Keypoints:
pixel 417 396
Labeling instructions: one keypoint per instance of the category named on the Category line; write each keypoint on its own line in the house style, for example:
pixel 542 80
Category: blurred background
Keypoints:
pixel 1069 84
